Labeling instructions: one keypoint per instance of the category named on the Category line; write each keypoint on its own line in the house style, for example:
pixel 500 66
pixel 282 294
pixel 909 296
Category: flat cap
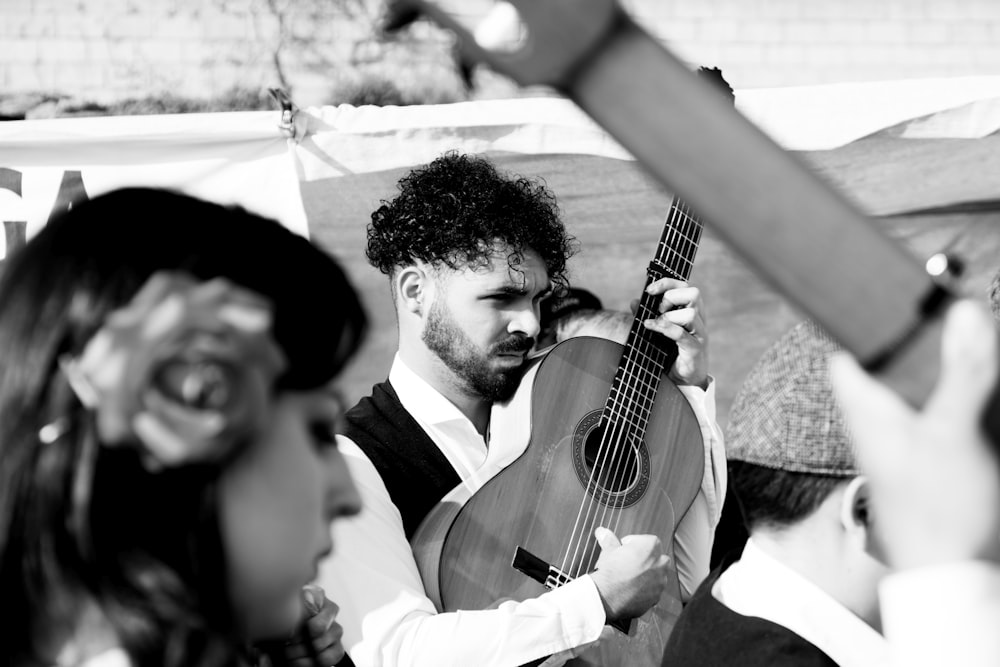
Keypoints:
pixel 785 415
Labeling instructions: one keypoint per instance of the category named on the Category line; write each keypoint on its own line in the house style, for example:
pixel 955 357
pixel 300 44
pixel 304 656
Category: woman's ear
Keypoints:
pixel 412 284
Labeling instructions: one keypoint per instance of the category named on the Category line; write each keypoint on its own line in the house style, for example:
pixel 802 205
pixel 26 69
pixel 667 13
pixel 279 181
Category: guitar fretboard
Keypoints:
pixel 648 354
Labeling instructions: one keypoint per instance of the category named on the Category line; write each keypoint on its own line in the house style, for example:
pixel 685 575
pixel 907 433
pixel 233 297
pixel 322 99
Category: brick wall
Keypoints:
pixel 110 49
pixel 762 43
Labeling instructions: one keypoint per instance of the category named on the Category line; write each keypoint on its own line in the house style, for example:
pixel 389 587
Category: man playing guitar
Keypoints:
pixel 470 253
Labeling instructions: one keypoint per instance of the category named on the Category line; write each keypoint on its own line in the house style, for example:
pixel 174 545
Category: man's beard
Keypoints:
pixel 448 341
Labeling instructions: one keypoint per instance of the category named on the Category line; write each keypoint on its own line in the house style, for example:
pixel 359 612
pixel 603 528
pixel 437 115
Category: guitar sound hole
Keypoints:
pixel 616 463
pixel 617 476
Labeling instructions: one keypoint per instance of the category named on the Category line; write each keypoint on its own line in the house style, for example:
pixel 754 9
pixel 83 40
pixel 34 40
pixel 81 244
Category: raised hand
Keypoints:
pixel 934 476
pixel 318 643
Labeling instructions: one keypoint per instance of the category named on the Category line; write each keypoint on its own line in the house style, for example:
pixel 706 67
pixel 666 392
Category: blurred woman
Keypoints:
pixel 168 467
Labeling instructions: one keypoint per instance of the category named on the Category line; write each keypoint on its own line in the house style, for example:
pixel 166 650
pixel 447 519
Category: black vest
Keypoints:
pixel 710 634
pixel 413 469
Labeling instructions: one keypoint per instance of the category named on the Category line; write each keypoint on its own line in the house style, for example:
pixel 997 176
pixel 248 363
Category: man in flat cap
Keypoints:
pixel 803 591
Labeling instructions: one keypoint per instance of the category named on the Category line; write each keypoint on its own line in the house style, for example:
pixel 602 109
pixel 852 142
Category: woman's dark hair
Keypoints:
pixel 455 210
pixel 84 526
pixel 778 498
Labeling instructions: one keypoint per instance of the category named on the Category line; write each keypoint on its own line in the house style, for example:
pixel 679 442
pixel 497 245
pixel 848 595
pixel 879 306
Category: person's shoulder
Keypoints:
pixel 709 634
pixel 767 643
pixel 711 641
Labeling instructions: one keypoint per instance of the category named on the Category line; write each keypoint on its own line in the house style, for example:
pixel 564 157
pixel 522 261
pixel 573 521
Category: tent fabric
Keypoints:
pixel 920 157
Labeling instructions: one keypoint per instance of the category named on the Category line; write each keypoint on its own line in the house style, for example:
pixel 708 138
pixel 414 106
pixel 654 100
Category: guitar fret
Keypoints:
pixel 677 235
pixel 675 253
pixel 637 423
pixel 642 400
pixel 655 363
pixel 677 211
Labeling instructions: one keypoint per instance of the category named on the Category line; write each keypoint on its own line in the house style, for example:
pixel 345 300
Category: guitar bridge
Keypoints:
pixel 547 575
pixel 551 577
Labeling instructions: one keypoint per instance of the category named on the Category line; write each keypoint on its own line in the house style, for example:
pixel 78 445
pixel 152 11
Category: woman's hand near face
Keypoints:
pixel 318 642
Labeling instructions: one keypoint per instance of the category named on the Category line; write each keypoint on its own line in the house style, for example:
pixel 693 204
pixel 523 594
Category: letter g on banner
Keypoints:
pixel 14 228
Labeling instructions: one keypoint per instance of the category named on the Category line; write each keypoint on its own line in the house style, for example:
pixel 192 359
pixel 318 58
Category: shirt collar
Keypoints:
pixel 420 398
pixel 759 585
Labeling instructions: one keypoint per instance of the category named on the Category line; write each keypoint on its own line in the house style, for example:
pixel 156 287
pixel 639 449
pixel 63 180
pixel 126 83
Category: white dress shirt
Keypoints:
pixel 759 585
pixel 388 619
pixel 943 615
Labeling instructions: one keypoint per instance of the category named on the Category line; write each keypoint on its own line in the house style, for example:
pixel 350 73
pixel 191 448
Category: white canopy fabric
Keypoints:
pixel 921 157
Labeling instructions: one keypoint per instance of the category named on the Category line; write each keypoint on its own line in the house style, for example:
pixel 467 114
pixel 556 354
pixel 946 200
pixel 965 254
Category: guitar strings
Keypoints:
pixel 643 358
pixel 655 359
pixel 613 425
pixel 655 356
pixel 610 425
pixel 653 353
pixel 651 363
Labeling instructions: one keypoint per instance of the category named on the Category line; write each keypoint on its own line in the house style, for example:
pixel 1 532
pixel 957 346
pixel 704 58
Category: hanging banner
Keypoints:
pixel 232 158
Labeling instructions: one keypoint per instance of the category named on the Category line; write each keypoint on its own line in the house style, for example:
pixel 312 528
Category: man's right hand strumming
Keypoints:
pixel 630 575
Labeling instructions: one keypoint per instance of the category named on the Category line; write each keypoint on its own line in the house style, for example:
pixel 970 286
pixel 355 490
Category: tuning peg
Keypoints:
pixel 398 15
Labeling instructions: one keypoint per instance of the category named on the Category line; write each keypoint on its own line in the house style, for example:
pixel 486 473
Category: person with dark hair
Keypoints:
pixel 470 253
pixel 804 589
pixel 168 466
pixel 557 310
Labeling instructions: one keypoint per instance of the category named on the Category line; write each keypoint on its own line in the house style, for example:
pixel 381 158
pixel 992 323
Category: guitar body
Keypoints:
pixel 464 548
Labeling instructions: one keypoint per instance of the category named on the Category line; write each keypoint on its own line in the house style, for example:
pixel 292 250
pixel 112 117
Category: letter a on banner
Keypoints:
pixel 71 191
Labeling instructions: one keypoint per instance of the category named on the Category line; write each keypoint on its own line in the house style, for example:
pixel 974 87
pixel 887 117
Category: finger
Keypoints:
pixel 686 317
pixel 968 362
pixel 313 597
pixel 318 646
pixel 653 539
pixel 877 417
pixel 674 332
pixel 323 622
pixel 332 655
pixel 664 285
pixel 673 298
pixel 606 539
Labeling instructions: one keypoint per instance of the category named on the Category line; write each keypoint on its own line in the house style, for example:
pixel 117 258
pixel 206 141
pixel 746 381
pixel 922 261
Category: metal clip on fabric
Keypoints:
pixel 288 111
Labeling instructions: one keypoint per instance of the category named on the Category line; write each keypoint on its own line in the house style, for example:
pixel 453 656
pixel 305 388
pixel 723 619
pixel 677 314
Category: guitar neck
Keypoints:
pixel 648 354
pixel 678 243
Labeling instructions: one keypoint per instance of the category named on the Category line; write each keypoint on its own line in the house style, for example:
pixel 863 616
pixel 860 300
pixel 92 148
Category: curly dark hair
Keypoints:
pixel 456 210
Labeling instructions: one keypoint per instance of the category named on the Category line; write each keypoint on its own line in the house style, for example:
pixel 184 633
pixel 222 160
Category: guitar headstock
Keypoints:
pixel 561 34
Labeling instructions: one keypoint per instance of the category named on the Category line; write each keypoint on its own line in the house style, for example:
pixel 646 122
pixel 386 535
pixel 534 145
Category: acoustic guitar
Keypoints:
pixel 611 445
